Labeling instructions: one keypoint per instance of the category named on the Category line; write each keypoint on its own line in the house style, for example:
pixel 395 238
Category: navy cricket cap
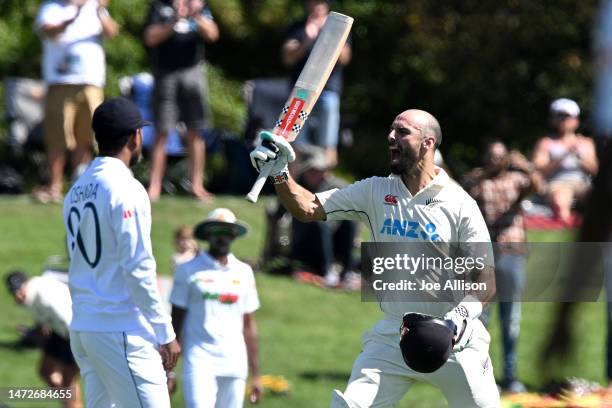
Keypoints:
pixel 117 117
pixel 15 280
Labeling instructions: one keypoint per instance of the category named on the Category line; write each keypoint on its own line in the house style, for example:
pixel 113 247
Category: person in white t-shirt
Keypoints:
pixel 119 323
pixel 48 301
pixel 74 69
pixel 214 299
pixel 417 203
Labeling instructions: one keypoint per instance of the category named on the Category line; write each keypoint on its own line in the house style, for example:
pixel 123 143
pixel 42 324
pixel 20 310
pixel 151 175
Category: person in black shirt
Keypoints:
pixel 323 125
pixel 175 34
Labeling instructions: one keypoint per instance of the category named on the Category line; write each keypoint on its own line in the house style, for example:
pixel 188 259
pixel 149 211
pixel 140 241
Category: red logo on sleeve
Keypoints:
pixel 127 214
pixel 390 199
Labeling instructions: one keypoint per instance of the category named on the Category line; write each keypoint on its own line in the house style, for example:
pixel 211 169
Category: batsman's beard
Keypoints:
pixel 406 160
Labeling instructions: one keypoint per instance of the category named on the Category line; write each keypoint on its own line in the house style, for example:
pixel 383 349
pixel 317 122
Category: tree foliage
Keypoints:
pixel 485 68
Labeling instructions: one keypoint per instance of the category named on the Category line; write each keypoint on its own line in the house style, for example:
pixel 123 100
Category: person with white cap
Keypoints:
pixel 214 298
pixel 566 159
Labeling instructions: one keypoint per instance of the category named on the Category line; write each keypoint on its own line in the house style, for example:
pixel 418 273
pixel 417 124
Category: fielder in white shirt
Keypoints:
pixel 214 299
pixel 48 301
pixel 418 202
pixel 119 326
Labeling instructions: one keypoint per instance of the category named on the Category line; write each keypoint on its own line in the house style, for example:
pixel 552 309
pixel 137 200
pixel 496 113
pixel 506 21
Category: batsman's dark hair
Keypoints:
pixel 111 146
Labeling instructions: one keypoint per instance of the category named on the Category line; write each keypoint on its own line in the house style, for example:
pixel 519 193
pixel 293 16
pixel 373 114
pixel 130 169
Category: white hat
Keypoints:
pixel 565 106
pixel 219 219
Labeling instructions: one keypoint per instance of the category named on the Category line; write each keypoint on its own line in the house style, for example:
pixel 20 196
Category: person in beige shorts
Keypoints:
pixel 74 69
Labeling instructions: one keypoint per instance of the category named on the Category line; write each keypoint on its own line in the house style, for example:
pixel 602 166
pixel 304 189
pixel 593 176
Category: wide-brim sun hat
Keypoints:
pixel 220 220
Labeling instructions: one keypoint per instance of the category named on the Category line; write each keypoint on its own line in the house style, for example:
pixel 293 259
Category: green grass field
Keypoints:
pixel 308 335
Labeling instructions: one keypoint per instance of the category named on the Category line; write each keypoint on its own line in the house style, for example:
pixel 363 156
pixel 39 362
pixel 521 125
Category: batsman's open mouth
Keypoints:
pixel 394 153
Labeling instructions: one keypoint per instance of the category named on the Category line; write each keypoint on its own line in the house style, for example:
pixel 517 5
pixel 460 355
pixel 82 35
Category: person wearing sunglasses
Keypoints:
pixel 214 298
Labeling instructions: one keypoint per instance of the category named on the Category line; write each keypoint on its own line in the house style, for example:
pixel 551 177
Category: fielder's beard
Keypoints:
pixel 219 248
pixel 219 251
pixel 135 159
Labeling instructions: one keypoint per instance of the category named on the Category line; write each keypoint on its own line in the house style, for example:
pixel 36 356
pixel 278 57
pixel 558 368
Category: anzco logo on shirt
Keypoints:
pixel 225 298
pixel 390 199
pixel 410 229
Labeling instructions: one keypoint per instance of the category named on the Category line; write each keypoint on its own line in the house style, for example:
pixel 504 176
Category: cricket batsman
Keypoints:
pixel 442 343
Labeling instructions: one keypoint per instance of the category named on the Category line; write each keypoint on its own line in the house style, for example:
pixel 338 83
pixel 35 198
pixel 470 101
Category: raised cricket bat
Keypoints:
pixel 309 85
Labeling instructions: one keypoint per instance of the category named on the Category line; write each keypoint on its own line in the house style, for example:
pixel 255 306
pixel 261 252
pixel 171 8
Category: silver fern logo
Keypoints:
pixel 432 201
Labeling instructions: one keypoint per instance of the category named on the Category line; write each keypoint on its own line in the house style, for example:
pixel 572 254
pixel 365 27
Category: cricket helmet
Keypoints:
pixel 426 341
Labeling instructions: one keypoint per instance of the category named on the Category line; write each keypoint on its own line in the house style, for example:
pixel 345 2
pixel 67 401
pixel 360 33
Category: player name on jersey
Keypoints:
pixel 87 192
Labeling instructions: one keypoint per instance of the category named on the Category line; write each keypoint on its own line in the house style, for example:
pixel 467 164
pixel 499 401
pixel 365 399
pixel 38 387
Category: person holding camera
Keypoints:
pixel 74 69
pixel 175 34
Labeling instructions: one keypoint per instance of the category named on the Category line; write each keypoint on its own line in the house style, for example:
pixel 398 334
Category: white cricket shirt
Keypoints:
pixel 216 298
pixel 442 211
pixel 112 279
pixel 48 301
pixel 75 56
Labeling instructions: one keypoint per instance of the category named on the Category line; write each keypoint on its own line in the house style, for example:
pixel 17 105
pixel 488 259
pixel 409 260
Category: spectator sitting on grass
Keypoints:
pixel 323 247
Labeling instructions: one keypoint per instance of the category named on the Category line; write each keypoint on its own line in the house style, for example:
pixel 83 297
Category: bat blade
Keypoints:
pixel 308 87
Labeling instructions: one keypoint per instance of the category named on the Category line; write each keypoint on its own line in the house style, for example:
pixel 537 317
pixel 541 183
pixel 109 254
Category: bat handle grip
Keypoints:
pixel 258 185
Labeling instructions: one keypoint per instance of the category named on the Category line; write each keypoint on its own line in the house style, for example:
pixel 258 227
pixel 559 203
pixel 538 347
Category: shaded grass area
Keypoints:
pixel 309 335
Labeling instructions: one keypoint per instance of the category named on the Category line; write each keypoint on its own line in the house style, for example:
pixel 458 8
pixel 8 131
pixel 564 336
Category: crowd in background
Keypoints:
pixel 559 171
pixel 175 34
pixel 174 97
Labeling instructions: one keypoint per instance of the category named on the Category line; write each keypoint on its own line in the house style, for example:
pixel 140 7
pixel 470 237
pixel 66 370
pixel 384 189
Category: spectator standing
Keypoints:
pixel 565 158
pixel 74 69
pixel 214 299
pixel 49 302
pixel 323 125
pixel 175 33
pixel 499 188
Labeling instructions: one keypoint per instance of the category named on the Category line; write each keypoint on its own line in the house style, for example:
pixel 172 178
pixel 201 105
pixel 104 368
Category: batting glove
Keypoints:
pixel 468 310
pixel 459 321
pixel 274 151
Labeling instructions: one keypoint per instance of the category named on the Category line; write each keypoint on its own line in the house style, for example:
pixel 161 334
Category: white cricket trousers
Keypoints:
pixel 204 389
pixel 120 369
pixel 380 378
